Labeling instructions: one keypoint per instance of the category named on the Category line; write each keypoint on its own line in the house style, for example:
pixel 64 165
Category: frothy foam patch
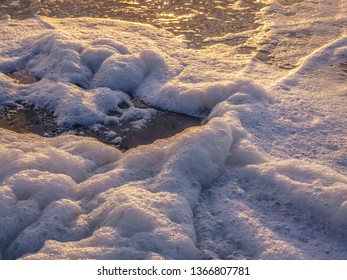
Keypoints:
pixel 150 212
pixel 82 85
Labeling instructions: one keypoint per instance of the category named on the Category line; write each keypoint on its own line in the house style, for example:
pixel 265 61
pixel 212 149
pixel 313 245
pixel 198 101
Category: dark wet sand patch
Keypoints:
pixel 23 118
pixel 27 119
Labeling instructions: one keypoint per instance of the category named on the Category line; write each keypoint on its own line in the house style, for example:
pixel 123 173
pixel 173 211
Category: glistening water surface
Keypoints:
pixel 192 20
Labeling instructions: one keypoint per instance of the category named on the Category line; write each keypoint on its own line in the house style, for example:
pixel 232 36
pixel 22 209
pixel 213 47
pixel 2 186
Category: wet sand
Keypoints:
pixel 24 118
pixel 27 119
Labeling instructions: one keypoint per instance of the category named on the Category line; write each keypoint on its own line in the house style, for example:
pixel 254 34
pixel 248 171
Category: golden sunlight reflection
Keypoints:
pixel 191 20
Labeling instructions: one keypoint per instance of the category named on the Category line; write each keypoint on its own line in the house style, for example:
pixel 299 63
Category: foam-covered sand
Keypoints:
pixel 263 178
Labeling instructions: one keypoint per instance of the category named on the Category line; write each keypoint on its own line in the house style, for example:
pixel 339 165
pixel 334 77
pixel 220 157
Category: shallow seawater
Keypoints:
pixel 192 20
